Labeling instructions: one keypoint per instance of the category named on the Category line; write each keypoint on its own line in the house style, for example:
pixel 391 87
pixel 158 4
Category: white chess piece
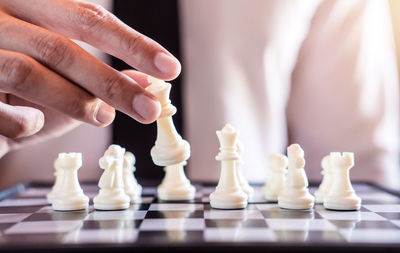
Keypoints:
pixel 70 195
pixel 277 176
pixel 175 185
pixel 239 170
pixel 229 193
pixel 169 148
pixel 112 195
pixel 341 195
pixel 58 182
pixel 326 180
pixel 131 186
pixel 295 194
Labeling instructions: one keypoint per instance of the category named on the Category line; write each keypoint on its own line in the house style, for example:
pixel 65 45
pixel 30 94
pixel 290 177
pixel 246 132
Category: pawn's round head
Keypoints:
pixel 277 162
pixel 115 151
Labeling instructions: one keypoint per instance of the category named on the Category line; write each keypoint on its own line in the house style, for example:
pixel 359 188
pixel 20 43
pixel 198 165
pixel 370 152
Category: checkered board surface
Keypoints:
pixel 27 220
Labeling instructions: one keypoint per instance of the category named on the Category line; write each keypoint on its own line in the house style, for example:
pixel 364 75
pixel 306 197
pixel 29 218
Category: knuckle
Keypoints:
pixel 15 70
pixel 90 15
pixel 53 50
pixel 112 86
pixel 78 108
pixel 137 44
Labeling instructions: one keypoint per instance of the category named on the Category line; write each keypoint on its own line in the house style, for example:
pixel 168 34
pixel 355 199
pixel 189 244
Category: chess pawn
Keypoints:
pixel 229 193
pixel 131 186
pixel 277 177
pixel 239 170
pixel 326 180
pixel 341 195
pixel 112 194
pixel 175 185
pixel 70 195
pixel 169 148
pixel 295 194
pixel 57 184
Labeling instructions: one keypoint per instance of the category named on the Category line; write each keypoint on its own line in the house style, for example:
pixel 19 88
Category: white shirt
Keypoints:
pixel 318 73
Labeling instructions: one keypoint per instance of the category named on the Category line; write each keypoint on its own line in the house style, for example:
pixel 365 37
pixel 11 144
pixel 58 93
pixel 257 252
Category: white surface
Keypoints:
pixel 341 195
pixel 175 185
pixel 131 186
pixel 295 194
pixel 229 193
pixel 70 195
pixel 277 164
pixel 112 195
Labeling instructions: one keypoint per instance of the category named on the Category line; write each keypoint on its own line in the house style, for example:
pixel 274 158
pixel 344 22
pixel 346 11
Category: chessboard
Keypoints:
pixel 27 222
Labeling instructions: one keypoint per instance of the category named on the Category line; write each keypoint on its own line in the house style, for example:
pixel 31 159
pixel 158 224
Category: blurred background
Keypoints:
pixel 159 20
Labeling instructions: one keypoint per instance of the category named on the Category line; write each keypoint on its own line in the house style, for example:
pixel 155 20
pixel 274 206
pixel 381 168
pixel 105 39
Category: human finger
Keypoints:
pixel 95 25
pixel 71 61
pixel 24 77
pixel 19 121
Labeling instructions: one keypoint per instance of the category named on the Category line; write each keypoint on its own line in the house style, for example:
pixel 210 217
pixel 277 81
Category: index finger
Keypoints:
pixel 95 25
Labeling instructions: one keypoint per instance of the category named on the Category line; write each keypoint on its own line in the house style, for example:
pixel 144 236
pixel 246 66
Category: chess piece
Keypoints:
pixel 112 194
pixel 57 184
pixel 326 180
pixel 295 194
pixel 341 195
pixel 70 195
pixel 239 170
pixel 277 177
pixel 229 193
pixel 169 148
pixel 175 185
pixel 131 186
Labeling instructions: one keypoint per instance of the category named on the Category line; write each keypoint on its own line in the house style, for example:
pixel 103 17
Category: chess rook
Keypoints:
pixel 112 195
pixel 70 195
pixel 326 180
pixel 276 178
pixel 131 186
pixel 169 148
pixel 295 194
pixel 239 170
pixel 341 195
pixel 229 193
pixel 58 182
pixel 175 186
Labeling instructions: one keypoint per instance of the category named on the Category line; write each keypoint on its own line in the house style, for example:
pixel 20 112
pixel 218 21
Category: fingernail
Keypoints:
pixel 105 114
pixel 147 107
pixel 167 64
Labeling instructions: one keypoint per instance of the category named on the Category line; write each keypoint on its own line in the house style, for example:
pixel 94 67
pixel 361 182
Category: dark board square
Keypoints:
pixel 33 239
pixel 19 209
pixel 173 214
pixel 111 224
pixel 155 238
pixel 235 223
pixel 73 215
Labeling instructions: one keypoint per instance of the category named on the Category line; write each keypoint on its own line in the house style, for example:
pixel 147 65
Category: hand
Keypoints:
pixel 48 83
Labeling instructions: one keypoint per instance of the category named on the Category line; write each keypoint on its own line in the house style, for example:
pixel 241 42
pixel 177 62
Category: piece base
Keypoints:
pixel 186 193
pixel 70 205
